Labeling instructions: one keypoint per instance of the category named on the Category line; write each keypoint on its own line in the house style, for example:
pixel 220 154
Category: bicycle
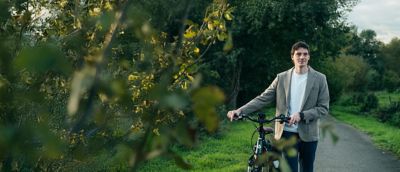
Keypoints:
pixel 260 160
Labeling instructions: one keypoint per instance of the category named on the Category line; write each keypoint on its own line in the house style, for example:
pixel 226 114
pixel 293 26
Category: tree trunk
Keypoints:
pixel 236 84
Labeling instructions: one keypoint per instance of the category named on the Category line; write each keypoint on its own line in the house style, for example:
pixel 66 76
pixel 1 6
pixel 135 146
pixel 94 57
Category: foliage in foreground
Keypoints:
pixel 88 81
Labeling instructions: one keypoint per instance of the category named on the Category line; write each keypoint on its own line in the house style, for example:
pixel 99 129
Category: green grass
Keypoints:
pixel 227 153
pixel 385 97
pixel 383 135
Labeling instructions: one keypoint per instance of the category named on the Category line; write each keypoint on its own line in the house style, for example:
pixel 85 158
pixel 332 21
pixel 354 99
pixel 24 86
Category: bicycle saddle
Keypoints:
pixel 268 130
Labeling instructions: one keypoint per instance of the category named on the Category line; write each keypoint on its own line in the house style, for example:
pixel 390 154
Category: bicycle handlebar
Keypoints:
pixel 261 118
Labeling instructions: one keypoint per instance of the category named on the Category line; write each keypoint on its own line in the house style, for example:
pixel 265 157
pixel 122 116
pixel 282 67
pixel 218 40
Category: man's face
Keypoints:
pixel 300 57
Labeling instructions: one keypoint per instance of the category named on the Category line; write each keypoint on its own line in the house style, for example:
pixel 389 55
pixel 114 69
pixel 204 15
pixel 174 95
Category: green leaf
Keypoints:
pixel 283 164
pixel 229 43
pixel 4 14
pixel 179 161
pixel 4 88
pixel 174 101
pixel 53 147
pixel 291 152
pixel 189 22
pixel 222 36
pixel 205 99
pixel 123 154
pixel 41 59
pixel 334 137
pixel 185 134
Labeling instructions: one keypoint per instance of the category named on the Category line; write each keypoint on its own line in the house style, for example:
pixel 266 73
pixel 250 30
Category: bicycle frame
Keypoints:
pixel 262 145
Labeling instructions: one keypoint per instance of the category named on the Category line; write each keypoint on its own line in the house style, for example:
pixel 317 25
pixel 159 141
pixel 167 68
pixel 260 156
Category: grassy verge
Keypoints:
pixel 229 152
pixel 385 98
pixel 383 135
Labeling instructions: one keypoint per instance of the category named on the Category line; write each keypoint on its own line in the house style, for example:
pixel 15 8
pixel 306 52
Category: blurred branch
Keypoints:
pixel 198 60
pixel 119 18
pixel 182 28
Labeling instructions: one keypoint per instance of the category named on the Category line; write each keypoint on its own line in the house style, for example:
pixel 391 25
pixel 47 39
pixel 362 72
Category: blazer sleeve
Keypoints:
pixel 322 105
pixel 262 100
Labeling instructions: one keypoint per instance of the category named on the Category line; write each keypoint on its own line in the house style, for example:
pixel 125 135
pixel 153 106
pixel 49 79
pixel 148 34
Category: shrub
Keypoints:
pixel 358 98
pixel 391 81
pixel 390 113
pixel 395 119
pixel 370 102
pixel 374 80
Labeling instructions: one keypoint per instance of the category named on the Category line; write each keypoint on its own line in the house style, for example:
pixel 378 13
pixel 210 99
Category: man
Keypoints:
pixel 301 93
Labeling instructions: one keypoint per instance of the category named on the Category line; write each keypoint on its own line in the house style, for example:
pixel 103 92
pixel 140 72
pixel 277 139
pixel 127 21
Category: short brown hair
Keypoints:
pixel 298 45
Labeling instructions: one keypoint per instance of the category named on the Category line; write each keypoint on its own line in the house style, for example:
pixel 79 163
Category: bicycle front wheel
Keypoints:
pixel 260 169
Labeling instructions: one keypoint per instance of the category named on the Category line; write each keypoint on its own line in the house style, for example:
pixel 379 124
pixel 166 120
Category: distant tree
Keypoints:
pixel 391 55
pixel 367 46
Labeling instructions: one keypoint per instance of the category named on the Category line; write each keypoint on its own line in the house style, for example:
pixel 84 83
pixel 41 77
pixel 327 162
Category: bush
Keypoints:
pixel 358 98
pixel 390 113
pixel 391 81
pixel 370 102
pixel 334 78
pixel 375 80
pixel 395 119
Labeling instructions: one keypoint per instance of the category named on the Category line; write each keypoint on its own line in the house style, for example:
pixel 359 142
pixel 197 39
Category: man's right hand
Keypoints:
pixel 233 114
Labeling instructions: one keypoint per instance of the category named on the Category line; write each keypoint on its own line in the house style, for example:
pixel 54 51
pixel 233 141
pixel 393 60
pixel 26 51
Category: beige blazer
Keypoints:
pixel 315 103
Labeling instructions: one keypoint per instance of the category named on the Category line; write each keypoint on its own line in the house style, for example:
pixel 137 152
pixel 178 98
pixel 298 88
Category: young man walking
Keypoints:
pixel 302 93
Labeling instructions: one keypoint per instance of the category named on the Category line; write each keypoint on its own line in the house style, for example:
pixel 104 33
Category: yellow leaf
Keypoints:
pixel 103 97
pixel 95 11
pixel 210 26
pixel 228 16
pixel 132 77
pixel 196 50
pixel 156 132
pixel 190 77
pixel 107 6
pixel 189 34
pixel 229 43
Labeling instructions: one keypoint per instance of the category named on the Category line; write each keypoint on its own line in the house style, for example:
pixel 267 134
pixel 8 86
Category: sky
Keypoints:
pixel 382 16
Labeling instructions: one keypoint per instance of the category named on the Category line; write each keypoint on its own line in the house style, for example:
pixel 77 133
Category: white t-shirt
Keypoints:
pixel 297 90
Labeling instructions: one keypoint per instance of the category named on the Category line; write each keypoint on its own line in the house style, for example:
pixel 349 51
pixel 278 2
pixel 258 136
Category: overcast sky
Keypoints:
pixel 382 16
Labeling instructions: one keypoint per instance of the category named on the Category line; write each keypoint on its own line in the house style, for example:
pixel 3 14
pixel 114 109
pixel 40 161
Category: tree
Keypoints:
pixel 390 55
pixel 264 31
pixel 367 46
pixel 109 80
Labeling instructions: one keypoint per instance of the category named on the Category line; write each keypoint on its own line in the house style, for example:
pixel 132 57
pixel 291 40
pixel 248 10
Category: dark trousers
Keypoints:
pixel 305 154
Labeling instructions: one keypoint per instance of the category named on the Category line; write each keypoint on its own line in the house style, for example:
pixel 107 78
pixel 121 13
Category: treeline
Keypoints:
pixel 366 65
pixel 107 85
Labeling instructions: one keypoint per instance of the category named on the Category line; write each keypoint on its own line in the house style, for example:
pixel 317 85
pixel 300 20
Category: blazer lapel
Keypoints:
pixel 309 85
pixel 287 86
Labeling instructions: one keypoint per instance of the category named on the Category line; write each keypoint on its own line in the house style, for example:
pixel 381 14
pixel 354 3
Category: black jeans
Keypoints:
pixel 305 154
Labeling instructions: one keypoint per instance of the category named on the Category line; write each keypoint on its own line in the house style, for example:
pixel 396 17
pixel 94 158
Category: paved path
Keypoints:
pixel 354 152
